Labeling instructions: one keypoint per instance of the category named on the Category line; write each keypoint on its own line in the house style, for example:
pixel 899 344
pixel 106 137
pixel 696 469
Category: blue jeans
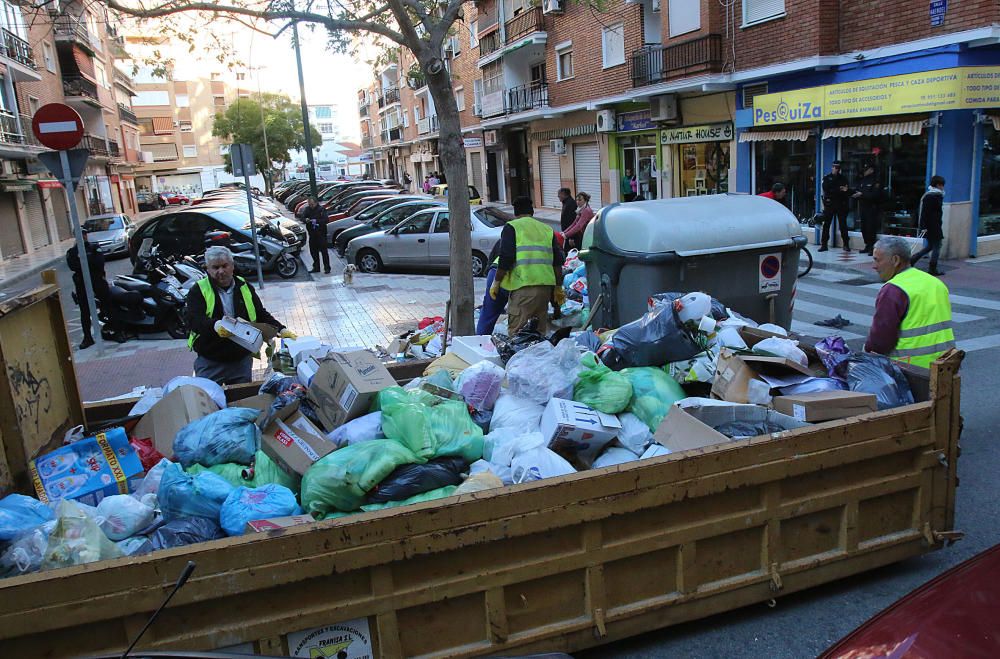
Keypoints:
pixel 492 309
pixel 932 247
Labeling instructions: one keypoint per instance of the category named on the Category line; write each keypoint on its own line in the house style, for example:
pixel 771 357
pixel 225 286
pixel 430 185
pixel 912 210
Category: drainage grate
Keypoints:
pixel 370 289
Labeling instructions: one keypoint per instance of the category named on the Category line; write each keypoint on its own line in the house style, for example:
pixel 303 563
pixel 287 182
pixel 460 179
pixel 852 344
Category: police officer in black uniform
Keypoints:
pixel 836 204
pixel 102 293
pixel 870 196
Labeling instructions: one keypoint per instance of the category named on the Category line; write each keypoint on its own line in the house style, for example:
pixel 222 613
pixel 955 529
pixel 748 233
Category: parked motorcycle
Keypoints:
pixel 147 304
pixel 185 269
pixel 275 255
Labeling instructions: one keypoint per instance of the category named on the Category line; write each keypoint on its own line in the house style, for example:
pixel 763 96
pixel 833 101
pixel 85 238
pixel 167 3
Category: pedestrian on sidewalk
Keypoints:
pixel 912 321
pixel 98 280
pixel 407 181
pixel 870 196
pixel 584 214
pixel 836 205
pixel 220 295
pixel 530 267
pixel 568 215
pixel 777 192
pixel 628 186
pixel 929 220
pixel 316 219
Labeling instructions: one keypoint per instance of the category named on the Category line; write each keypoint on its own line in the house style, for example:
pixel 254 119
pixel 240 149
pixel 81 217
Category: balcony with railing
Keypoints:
pixel 525 23
pixel 98 145
pixel 76 87
pixel 427 125
pixel 653 64
pixel 527 97
pixel 392 134
pixel 123 80
pixel 13 133
pixel 490 43
pixel 17 49
pixel 388 97
pixel 72 29
pixel 363 111
pixel 125 113
pixel 366 142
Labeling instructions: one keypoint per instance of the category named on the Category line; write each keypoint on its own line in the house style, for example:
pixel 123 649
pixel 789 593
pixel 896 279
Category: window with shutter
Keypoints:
pixel 755 11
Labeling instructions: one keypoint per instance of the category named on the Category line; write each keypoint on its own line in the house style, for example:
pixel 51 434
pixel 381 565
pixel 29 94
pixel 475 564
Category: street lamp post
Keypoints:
pixel 305 111
pixel 268 183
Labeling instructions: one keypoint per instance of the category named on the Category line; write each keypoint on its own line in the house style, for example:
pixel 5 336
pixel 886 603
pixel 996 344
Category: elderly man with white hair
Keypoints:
pixel 912 322
pixel 222 294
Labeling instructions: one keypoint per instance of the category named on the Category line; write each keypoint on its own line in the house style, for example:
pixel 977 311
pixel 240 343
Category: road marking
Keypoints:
pixel 980 343
pixel 962 300
pixel 870 301
pixel 808 329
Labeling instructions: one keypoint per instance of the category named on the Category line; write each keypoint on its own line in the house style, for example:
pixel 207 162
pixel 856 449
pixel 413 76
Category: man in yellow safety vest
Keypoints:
pixel 912 322
pixel 218 295
pixel 530 266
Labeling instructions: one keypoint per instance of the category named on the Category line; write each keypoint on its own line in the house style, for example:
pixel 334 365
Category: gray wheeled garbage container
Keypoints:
pixel 741 249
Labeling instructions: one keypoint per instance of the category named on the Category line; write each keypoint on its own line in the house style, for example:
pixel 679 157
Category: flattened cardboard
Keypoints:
pixel 680 431
pixel 180 407
pixel 294 443
pixel 826 405
pixel 275 523
pixel 345 384
pixel 734 372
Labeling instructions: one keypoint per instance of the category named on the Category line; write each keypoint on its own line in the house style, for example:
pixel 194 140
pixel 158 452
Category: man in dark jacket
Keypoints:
pixel 929 219
pixel 836 204
pixel 219 295
pixel 102 293
pixel 870 196
pixel 568 216
pixel 316 219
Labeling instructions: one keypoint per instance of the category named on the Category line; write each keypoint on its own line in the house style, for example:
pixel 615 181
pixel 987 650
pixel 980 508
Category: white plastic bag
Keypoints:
pixel 150 397
pixel 729 337
pixel 786 348
pixel 25 554
pixel 654 451
pixel 614 456
pixel 539 463
pixel 362 429
pixel 693 307
pixel 516 414
pixel 500 471
pixel 480 384
pixel 504 451
pixel 151 481
pixel 541 372
pixel 122 515
pixel 634 435
pixel 773 329
pixel 208 386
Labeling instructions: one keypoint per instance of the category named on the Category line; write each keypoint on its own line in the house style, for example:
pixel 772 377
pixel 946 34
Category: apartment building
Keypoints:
pixel 694 97
pixel 62 53
pixel 324 118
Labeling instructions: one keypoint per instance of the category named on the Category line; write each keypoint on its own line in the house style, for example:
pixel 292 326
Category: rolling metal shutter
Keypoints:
pixel 587 172
pixel 548 169
pixel 476 165
pixel 59 209
pixel 36 219
pixel 10 230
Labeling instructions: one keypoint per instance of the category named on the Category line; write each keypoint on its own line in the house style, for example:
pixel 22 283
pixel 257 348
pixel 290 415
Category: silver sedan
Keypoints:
pixel 422 241
pixel 110 232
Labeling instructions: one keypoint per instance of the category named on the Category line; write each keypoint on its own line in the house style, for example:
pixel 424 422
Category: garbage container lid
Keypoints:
pixel 689 226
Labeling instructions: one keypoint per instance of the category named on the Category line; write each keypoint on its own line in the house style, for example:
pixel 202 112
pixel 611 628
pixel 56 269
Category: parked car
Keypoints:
pixel 176 199
pixel 110 232
pixel 387 219
pixel 441 190
pixel 372 210
pixel 294 232
pixel 149 201
pixel 422 241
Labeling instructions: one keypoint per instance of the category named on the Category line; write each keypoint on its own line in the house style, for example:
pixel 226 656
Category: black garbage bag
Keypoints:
pixel 718 309
pixel 527 336
pixel 876 374
pixel 410 480
pixel 185 531
pixel 656 339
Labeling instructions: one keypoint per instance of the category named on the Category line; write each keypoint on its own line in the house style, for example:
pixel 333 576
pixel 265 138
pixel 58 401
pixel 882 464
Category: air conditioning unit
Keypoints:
pixel 663 108
pixel 558 147
pixel 553 6
pixel 490 138
pixel 606 121
pixel 656 5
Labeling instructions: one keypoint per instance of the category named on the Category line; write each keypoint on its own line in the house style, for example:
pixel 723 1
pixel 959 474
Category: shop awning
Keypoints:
pixel 871 130
pixel 48 183
pixel 775 135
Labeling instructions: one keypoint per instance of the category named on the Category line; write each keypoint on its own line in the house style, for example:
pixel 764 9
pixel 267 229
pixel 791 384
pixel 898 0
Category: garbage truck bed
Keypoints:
pixel 558 564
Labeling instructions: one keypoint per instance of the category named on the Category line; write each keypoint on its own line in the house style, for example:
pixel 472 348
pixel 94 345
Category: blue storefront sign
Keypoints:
pixel 632 121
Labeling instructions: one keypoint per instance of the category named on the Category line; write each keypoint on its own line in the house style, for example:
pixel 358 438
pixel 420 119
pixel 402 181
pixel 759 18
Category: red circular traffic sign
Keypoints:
pixel 770 266
pixel 57 126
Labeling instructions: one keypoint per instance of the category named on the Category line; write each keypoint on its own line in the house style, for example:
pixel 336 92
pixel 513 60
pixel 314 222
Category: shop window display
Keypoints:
pixel 704 168
pixel 793 164
pixel 989 184
pixel 900 167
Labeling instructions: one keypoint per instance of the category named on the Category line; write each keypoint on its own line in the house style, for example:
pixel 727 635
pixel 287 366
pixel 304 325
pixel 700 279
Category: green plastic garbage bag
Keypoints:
pixel 439 493
pixel 340 480
pixel 265 472
pixel 393 395
pixel 653 392
pixel 441 429
pixel 600 387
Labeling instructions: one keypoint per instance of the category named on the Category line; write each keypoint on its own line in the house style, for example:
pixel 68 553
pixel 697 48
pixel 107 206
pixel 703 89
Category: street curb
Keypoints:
pixel 34 271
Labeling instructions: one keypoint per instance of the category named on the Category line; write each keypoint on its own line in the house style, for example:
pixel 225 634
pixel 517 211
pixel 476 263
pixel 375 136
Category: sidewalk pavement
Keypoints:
pixel 16 270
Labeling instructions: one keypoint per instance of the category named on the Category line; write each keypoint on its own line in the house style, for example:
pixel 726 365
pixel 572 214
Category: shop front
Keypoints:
pixel 496 188
pixel 699 158
pixel 989 178
pixel 475 161
pixel 571 154
pixel 787 157
pixel 637 171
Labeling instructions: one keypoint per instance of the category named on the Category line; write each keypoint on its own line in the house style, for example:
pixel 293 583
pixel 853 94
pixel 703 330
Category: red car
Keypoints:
pixel 176 198
pixel 954 616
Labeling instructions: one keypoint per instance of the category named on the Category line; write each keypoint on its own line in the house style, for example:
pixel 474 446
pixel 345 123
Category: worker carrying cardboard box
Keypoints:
pixel 223 295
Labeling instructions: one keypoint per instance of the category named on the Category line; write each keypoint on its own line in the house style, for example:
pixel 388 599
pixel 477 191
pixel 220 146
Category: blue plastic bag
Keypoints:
pixel 184 495
pixel 20 514
pixel 246 505
pixel 229 435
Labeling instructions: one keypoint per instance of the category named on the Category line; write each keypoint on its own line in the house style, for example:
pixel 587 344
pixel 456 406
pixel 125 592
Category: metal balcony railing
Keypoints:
pixel 72 28
pixel 366 143
pixel 363 110
pixel 123 79
pixel 11 133
pixel 97 145
pixel 388 97
pixel 490 43
pixel 126 114
pixel 18 49
pixel 392 134
pixel 652 64
pixel 427 125
pixel 527 97
pixel 77 85
pixel 528 21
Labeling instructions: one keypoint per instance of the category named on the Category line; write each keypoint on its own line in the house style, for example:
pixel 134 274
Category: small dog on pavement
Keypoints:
pixel 349 271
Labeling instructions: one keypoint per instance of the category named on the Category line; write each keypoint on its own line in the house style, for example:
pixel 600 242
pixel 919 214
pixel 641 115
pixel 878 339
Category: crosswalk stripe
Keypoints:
pixel 962 300
pixel 808 329
pixel 980 343
pixel 870 301
pixel 826 311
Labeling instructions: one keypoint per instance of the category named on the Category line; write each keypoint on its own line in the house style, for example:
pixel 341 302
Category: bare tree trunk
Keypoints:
pixel 451 152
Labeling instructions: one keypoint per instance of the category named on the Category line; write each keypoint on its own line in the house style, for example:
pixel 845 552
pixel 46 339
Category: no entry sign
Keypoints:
pixel 57 126
pixel 770 273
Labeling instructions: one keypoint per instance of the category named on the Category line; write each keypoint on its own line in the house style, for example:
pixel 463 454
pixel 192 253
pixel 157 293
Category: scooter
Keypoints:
pixel 274 254
pixel 153 303
pixel 184 269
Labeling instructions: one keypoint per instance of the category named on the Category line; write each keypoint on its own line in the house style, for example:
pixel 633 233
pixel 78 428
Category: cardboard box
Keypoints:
pixel 87 470
pixel 695 426
pixel 679 431
pixel 275 523
pixel 475 349
pixel 753 335
pixel 345 384
pixel 576 431
pixel 294 443
pixel 734 373
pixel 180 407
pixel 244 334
pixel 826 405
